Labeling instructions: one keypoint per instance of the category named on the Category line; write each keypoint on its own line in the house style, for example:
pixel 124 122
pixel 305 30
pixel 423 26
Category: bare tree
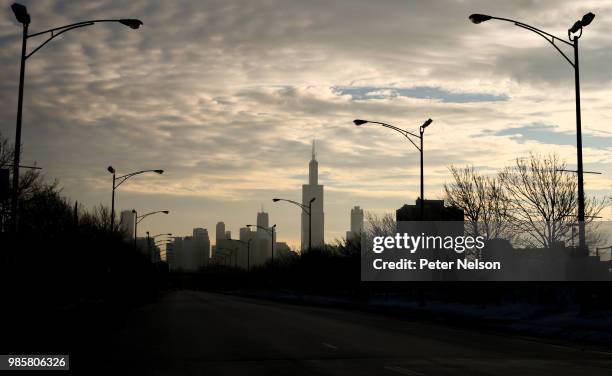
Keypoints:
pixel 29 181
pixel 483 201
pixel 543 200
pixel 6 153
pixel 379 225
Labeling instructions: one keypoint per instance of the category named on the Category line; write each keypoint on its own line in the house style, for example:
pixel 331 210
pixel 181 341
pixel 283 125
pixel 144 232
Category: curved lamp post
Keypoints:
pixel 117 181
pixel 573 35
pixel 270 231
pixel 139 219
pixel 22 16
pixel 307 210
pixel 408 135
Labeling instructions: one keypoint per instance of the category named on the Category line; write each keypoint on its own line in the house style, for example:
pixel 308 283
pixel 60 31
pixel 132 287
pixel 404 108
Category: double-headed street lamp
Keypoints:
pixel 307 210
pixel 139 218
pixel 408 135
pixel 270 231
pixel 21 13
pixel 117 181
pixel 248 244
pixel 573 34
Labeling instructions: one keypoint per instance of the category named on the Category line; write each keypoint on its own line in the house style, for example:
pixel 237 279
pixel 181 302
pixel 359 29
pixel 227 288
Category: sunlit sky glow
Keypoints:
pixel 227 95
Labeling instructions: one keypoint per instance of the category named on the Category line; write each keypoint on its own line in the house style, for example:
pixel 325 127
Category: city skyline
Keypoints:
pixel 298 187
pixel 228 107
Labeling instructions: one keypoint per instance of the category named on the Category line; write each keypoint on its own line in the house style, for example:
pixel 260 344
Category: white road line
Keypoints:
pixel 404 371
pixel 330 346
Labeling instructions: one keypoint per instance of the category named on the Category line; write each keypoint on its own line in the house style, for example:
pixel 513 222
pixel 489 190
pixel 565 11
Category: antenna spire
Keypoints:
pixel 314 155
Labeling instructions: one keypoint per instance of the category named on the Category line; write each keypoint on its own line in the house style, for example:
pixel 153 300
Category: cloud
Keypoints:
pixel 227 95
pixel 550 134
pixel 421 92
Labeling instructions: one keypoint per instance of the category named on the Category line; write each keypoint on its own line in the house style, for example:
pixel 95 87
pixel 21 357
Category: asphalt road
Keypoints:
pixel 194 333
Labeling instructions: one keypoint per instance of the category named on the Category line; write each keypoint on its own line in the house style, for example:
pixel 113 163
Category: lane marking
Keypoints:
pixel 330 346
pixel 404 371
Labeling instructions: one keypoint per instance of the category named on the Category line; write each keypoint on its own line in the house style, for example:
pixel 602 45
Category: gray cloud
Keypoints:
pixel 226 96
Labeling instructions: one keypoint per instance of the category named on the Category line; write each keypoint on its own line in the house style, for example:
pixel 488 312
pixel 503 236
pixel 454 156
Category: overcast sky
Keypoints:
pixel 226 96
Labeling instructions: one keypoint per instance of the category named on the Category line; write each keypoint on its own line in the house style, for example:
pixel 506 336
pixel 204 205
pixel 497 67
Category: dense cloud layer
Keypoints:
pixel 227 96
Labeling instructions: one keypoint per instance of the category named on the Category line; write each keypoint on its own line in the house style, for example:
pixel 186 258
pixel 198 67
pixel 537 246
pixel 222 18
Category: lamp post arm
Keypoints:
pixel 70 26
pixel 265 229
pixel 141 217
pixel 56 31
pixel 303 207
pixel 123 178
pixel 547 36
pixel 404 132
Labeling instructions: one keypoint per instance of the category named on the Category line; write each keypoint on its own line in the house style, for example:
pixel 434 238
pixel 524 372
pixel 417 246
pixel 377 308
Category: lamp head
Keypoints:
pixel 426 123
pixel 274 225
pixel 131 23
pixel 159 171
pixel 165 211
pixel 359 122
pixel 134 211
pixel 587 19
pixel 111 169
pixel 574 29
pixel 21 13
pixel 312 199
pixel 249 225
pixel 479 18
pixel 276 199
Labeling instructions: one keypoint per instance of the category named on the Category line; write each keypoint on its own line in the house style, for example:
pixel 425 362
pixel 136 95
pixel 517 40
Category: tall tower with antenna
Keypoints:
pixel 310 190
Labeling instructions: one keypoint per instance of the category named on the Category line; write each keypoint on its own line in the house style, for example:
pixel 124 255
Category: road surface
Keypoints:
pixel 195 333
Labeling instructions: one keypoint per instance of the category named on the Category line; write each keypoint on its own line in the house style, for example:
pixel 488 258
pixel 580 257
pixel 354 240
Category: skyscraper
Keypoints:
pixel 126 224
pixel 313 190
pixel 220 231
pixel 262 221
pixel 356 223
pixel 263 239
pixel 201 244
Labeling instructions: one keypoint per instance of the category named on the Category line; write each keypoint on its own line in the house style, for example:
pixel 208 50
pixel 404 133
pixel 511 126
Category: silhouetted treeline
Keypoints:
pixel 67 274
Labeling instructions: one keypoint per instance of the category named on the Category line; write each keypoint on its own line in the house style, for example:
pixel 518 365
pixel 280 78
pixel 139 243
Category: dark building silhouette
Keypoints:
pixel 434 211
pixel 438 220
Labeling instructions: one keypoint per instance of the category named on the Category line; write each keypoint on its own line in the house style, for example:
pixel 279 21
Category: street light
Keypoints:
pixel 121 179
pixel 307 210
pixel 573 34
pixel 271 232
pixel 23 17
pixel 139 219
pixel 408 135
